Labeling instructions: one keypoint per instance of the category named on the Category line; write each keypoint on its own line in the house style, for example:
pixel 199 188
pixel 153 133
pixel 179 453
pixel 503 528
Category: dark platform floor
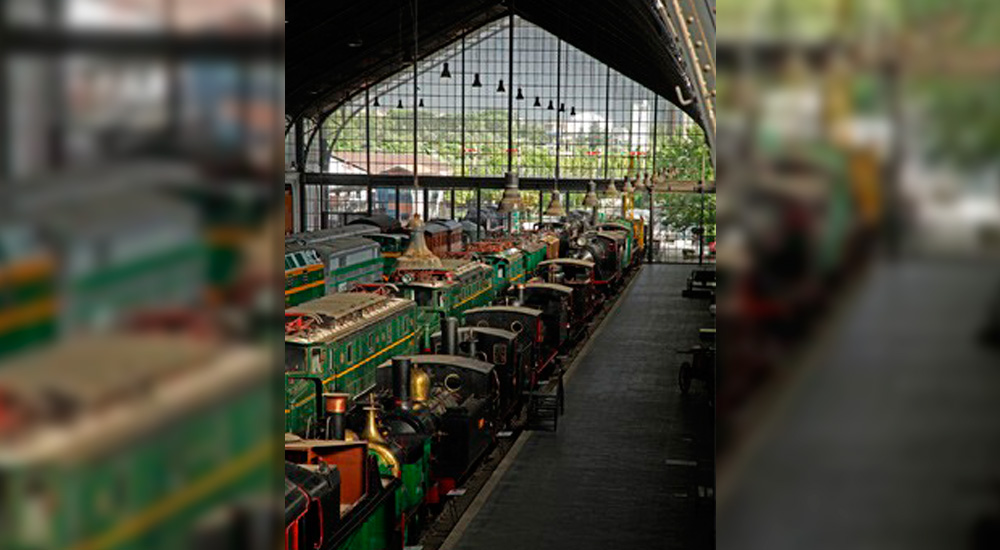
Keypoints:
pixel 892 440
pixel 632 465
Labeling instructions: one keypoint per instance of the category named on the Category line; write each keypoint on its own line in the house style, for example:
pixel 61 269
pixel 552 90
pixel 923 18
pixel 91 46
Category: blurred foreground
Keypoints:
pixel 858 386
pixel 139 244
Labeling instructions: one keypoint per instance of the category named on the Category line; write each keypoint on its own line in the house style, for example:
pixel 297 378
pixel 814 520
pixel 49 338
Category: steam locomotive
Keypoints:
pixel 378 454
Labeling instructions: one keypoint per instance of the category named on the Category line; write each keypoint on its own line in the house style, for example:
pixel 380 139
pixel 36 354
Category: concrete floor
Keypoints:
pixel 632 465
pixel 892 439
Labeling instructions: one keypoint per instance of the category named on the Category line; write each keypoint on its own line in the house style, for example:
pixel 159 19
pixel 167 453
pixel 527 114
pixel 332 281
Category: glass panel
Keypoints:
pixel 678 219
pixel 346 135
pixel 295 358
pixel 384 201
pixel 462 128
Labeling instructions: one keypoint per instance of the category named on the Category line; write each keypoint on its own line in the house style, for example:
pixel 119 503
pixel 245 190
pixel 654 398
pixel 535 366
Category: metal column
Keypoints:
pixel 368 149
pixel 300 167
pixel 607 120
pixel 510 90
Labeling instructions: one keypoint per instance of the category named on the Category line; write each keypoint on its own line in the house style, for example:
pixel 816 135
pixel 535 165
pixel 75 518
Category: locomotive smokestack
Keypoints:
pixel 449 335
pixel 520 295
pixel 335 405
pixel 472 345
pixel 401 380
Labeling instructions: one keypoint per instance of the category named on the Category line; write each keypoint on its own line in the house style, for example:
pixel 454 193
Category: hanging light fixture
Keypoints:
pixel 500 88
pixel 511 199
pixel 660 179
pixel 421 102
pixel 562 107
pixel 476 83
pixel 537 102
pixel 590 199
pixel 611 191
pixel 550 105
pixel 445 73
pixel 627 187
pixel 519 94
pixel 400 104
pixel 375 104
pixel 640 183
pixel 572 111
pixel 555 207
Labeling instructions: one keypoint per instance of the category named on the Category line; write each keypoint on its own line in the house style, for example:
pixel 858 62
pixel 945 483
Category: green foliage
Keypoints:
pixel 684 153
pixel 439 134
pixel 965 117
pixel 680 210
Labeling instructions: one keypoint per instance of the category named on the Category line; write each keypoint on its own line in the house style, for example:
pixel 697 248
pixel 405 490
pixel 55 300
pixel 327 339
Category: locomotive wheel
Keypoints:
pixel 684 377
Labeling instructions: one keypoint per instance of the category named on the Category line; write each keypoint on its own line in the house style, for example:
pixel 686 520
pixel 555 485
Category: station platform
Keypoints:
pixel 890 439
pixel 632 463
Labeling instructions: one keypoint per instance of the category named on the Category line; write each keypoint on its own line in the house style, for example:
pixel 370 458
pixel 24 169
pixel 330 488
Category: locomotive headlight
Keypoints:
pixel 581 241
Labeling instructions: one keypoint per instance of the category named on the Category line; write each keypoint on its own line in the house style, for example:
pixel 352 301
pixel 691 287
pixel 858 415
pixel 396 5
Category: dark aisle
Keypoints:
pixel 632 463
pixel 892 441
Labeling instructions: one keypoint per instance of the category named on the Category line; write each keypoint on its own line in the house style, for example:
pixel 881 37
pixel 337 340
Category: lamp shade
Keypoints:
pixel 640 183
pixel 511 199
pixel 555 207
pixel 590 199
pixel 611 191
pixel 627 187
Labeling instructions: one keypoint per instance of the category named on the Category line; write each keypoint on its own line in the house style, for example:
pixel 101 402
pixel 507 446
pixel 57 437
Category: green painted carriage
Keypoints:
pixel 622 226
pixel 304 274
pixel 27 288
pixel 508 268
pixel 452 288
pixel 231 213
pixel 392 245
pixel 338 340
pixel 123 252
pixel 350 261
pixel 130 442
pixel 533 252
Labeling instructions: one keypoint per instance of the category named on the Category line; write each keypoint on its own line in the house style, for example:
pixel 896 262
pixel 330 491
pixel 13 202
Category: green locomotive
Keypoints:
pixel 113 442
pixel 508 268
pixel 338 340
pixel 27 288
pixel 624 228
pixel 314 269
pixel 534 252
pixel 350 261
pixel 451 288
pixel 231 215
pixel 381 486
pixel 392 245
pixel 304 274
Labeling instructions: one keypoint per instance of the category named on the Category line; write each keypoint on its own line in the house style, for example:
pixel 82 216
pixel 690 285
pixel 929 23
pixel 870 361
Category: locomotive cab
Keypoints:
pixel 508 351
pixel 528 324
pixel 578 275
pixel 558 311
pixel 312 504
pixel 460 395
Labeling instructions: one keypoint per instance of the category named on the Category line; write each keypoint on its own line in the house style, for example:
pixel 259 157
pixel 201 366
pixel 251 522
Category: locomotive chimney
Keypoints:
pixel 520 295
pixel 472 345
pixel 401 381
pixel 449 335
pixel 335 405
